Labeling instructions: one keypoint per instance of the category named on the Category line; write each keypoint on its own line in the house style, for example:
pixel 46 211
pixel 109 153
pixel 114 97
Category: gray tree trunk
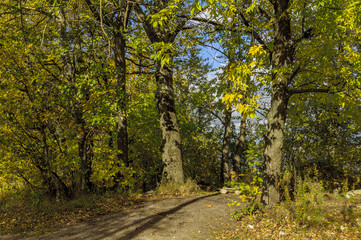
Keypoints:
pixel 85 151
pixel 225 176
pixel 282 58
pixel 170 147
pixel 122 123
pixel 240 149
pixel 56 187
pixel 119 25
pixel 171 144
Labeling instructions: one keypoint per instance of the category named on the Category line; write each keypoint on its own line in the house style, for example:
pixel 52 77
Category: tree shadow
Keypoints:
pixel 124 225
pixel 152 220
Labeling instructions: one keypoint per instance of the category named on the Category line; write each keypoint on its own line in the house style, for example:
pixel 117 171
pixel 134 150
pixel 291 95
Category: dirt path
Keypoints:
pixel 161 219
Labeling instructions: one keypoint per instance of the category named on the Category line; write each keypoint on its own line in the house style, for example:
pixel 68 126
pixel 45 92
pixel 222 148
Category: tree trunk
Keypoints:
pixel 56 187
pixel 171 141
pixel 170 146
pixel 240 149
pixel 85 151
pixel 84 134
pixel 281 59
pixel 225 177
pixel 122 124
pixel 273 146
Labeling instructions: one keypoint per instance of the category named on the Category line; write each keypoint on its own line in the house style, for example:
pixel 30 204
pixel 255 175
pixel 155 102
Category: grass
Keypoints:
pixel 37 215
pixel 326 216
pixel 25 211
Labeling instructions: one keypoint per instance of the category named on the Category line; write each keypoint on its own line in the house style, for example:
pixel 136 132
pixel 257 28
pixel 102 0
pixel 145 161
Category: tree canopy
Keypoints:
pixel 124 95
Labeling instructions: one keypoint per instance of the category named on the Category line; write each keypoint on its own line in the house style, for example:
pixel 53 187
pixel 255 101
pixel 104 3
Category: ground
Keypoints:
pixel 197 217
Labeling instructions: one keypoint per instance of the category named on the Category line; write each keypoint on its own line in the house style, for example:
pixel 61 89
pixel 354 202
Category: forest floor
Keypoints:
pixel 196 217
pixel 199 217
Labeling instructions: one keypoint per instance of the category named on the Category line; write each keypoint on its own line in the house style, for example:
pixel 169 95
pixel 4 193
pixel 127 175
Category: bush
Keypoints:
pixel 170 188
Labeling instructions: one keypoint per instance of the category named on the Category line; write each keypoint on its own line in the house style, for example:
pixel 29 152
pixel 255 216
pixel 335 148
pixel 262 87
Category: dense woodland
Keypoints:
pixel 103 95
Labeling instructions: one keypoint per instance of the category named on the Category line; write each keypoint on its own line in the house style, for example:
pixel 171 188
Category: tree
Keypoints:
pixel 162 32
pixel 118 26
pixel 292 27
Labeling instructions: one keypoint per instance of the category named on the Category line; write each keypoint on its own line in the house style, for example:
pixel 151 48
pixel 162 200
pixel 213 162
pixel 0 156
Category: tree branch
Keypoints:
pixel 309 90
pixel 305 35
pixel 253 33
pixel 97 15
pixel 153 36
pixel 264 13
pixel 216 115
pixel 140 72
pixel 137 64
pixel 294 74
pixel 208 21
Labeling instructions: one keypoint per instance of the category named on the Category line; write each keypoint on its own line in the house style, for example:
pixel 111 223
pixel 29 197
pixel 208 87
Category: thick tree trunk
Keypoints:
pixel 171 140
pixel 240 149
pixel 273 146
pixel 282 58
pixel 122 124
pixel 225 177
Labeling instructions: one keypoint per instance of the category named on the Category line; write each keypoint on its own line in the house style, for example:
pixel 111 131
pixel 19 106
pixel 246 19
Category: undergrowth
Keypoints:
pixel 33 212
pixel 190 187
pixel 25 210
pixel 310 213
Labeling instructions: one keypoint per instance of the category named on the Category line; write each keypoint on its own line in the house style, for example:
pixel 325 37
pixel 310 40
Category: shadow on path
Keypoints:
pixel 128 224
pixel 152 220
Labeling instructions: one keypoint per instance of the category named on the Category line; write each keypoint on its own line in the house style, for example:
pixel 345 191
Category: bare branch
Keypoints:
pixel 140 72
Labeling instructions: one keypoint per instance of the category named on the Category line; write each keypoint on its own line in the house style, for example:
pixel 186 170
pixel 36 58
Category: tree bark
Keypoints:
pixel 84 133
pixel 85 147
pixel 171 144
pixel 118 25
pixel 281 59
pixel 274 146
pixel 240 149
pixel 122 123
pixel 225 177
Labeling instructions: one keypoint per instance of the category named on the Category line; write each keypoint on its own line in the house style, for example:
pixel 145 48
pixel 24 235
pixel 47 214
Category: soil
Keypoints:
pixel 197 217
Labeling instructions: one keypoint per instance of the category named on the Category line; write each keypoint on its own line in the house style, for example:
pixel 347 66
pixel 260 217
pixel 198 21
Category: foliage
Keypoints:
pixel 314 214
pixel 250 192
pixel 242 98
pixel 60 99
pixel 32 213
pixel 317 126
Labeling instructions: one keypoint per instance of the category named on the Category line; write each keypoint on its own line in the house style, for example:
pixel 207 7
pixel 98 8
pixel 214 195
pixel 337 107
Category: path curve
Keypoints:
pixel 160 219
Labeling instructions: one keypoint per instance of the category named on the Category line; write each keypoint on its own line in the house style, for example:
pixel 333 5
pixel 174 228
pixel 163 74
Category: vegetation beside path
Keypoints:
pixel 312 214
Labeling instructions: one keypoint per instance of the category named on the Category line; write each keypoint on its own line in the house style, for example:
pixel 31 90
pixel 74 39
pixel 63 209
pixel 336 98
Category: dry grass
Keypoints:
pixel 330 217
pixel 37 215
pixel 190 187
